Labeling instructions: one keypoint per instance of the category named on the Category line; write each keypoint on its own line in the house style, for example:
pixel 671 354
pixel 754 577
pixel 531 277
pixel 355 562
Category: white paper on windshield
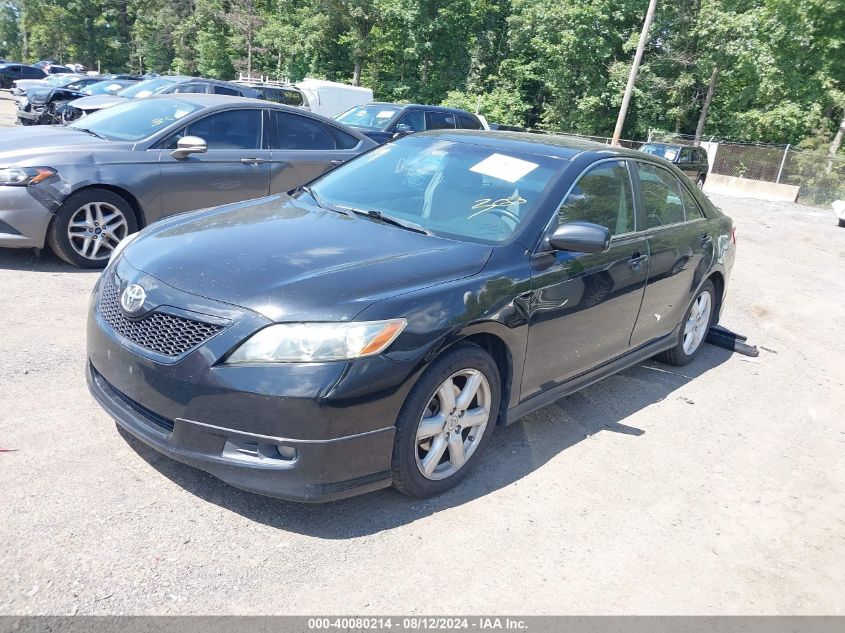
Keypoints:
pixel 384 114
pixel 503 167
pixel 671 153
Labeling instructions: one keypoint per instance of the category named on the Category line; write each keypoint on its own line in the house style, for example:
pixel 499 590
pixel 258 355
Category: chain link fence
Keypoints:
pixel 820 178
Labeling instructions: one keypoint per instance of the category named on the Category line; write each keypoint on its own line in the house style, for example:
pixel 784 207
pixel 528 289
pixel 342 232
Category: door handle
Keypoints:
pixel 337 162
pixel 253 161
pixel 637 259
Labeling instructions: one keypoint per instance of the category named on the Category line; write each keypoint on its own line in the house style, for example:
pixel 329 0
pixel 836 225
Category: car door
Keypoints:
pixel 235 167
pixel 304 148
pixel 681 249
pixel 413 119
pixel 584 305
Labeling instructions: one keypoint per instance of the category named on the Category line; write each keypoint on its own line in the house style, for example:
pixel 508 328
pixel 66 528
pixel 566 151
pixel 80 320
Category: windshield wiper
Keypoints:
pixel 381 217
pixel 319 200
pixel 91 132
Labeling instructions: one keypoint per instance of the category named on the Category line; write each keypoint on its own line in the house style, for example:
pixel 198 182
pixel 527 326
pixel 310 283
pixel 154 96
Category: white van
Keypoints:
pixel 330 98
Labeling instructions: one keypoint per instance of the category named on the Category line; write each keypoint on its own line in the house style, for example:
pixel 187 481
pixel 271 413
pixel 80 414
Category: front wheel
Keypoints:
pixel 88 226
pixel 446 421
pixel 700 182
pixel 694 327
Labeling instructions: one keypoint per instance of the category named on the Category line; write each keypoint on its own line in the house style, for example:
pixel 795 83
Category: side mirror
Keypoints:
pixel 401 129
pixel 188 145
pixel 581 237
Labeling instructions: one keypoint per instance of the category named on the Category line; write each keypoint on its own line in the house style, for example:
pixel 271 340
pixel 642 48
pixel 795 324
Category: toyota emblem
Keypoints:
pixel 133 298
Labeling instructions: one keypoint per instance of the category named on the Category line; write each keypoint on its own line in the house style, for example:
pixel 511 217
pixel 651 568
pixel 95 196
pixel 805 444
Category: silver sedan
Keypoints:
pixel 82 188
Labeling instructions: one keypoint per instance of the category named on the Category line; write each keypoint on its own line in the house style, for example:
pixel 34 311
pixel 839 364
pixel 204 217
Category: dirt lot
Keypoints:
pixel 718 488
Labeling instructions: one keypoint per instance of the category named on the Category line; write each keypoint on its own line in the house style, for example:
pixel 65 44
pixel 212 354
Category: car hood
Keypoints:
pixel 25 84
pixel 290 261
pixel 25 141
pixel 97 102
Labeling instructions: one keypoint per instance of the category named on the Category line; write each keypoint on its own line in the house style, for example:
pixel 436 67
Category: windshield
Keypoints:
pixel 373 116
pixel 135 120
pixel 104 87
pixel 452 189
pixel 663 151
pixel 61 80
pixel 146 88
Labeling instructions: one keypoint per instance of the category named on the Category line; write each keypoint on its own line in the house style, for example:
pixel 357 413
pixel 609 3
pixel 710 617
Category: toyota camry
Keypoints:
pixel 374 327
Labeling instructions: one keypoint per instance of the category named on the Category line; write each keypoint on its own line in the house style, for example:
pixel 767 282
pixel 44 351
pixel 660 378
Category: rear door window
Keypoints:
pixel 225 90
pixel 661 194
pixel 190 88
pixel 342 139
pixel 299 132
pixel 692 211
pixel 440 120
pixel 292 98
pixel 468 123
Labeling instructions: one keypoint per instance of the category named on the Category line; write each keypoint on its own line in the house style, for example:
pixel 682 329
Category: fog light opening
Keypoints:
pixel 288 453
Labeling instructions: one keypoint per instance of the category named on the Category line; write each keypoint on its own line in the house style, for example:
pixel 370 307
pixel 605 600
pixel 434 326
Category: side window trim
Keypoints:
pixel 649 230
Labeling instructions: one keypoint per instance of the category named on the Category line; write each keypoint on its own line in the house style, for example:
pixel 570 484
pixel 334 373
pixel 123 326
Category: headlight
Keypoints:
pixel 316 342
pixel 23 176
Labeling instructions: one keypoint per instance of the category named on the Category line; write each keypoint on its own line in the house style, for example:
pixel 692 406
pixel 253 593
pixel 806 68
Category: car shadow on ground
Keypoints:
pixel 43 261
pixel 515 451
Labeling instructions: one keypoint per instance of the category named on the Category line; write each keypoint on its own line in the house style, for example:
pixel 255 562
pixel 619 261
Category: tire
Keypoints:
pixel 841 222
pixel 700 182
pixel 456 367
pixel 91 211
pixel 683 355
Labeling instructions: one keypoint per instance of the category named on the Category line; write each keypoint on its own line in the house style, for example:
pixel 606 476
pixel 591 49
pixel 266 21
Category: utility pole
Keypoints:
pixel 629 89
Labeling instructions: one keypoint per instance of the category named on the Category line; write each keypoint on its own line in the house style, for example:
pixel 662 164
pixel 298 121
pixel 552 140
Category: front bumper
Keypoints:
pixel 337 419
pixel 30 114
pixel 298 470
pixel 23 220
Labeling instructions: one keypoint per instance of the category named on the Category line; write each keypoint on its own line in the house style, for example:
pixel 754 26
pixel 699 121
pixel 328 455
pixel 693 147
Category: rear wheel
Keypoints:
pixel 694 327
pixel 700 182
pixel 88 226
pixel 446 421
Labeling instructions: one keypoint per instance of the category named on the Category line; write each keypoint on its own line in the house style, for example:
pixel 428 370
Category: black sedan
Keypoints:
pixel 378 325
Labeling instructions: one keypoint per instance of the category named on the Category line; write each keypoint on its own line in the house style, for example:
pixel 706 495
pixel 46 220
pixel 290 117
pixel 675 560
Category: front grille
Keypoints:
pixel 159 332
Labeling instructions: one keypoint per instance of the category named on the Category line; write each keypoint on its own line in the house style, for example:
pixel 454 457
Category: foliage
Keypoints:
pixel 557 64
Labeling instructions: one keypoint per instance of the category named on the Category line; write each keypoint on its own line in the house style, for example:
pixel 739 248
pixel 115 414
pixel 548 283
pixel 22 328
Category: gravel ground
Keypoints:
pixel 718 488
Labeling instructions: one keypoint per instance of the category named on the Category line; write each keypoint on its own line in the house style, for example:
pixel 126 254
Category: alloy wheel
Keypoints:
pixel 695 329
pixel 95 229
pixel 453 424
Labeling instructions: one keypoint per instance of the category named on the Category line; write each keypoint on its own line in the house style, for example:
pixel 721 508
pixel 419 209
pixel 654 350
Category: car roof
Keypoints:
pixel 406 106
pixel 212 101
pixel 557 145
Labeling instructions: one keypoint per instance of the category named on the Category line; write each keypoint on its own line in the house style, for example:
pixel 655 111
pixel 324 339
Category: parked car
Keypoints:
pixel 375 327
pixel 81 189
pixel 384 121
pixel 691 160
pixel 20 86
pixel 9 73
pixel 46 105
pixel 159 85
pixel 275 91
